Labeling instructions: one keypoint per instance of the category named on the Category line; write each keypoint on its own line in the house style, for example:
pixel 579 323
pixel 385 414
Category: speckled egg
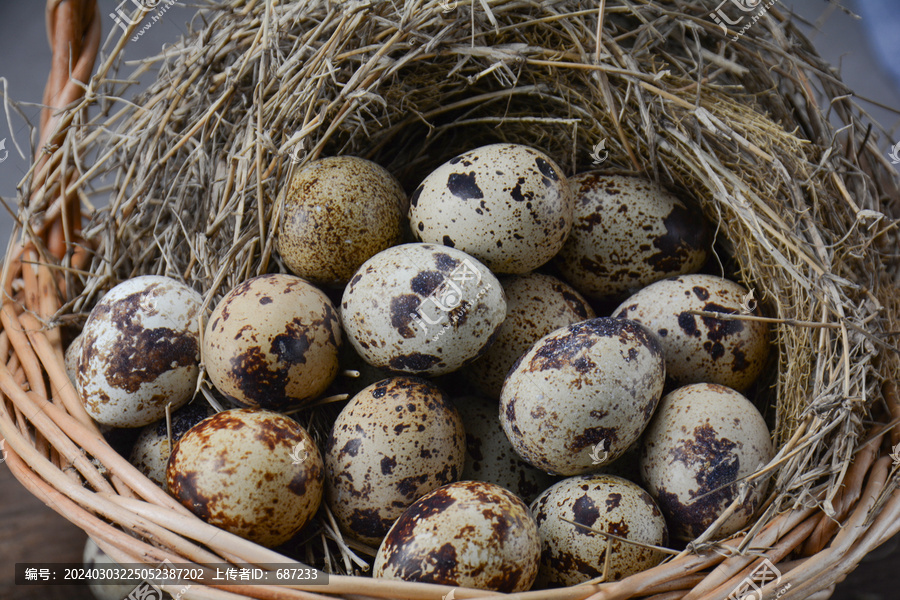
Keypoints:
pixel 272 342
pixel 140 351
pixel 582 394
pixel 571 555
pixel 150 453
pixel 702 438
pixel 489 455
pixel 422 309
pixel 469 534
pixel 627 234
pixel 393 442
pixel 536 304
pixel 255 473
pixel 72 357
pixel 338 212
pixel 508 205
pixel 697 348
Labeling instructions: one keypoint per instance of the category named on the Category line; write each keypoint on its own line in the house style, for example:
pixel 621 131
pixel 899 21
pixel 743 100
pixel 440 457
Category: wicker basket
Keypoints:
pixel 59 455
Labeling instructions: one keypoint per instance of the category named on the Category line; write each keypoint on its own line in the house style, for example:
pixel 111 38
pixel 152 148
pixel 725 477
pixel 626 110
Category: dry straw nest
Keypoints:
pixel 757 128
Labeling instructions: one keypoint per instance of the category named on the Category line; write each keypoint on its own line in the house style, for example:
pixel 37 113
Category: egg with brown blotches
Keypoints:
pixel 702 440
pixel 396 440
pixel 151 451
pixel 702 348
pixel 582 395
pixel 422 309
pixel 273 342
pixel 573 554
pixel 254 473
pixel 508 205
pixel 489 455
pixel 468 534
pixel 628 233
pixel 72 356
pixel 338 212
pixel 536 304
pixel 140 351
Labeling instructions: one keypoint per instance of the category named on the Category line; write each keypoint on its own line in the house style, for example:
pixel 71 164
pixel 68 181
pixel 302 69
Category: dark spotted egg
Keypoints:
pixel 140 351
pixel 571 554
pixel 701 348
pixel 582 395
pixel 151 450
pixel 627 234
pixel 254 473
pixel 338 212
pixel 272 342
pixel 703 438
pixel 468 534
pixel 536 304
pixel 72 356
pixel 422 309
pixel 508 205
pixel 396 440
pixel 489 455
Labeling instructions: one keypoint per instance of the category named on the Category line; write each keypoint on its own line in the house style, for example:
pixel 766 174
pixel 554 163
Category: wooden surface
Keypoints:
pixel 32 532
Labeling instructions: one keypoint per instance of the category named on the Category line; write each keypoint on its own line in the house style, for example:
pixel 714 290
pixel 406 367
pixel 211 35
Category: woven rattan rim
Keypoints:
pixel 38 397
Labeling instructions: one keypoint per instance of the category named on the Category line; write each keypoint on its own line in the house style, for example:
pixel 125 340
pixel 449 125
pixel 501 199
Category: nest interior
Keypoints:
pixel 184 180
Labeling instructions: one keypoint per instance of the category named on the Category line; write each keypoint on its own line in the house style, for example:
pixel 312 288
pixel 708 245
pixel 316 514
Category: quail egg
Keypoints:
pixel 150 453
pixel 582 395
pixel 536 304
pixel 627 234
pixel 140 351
pixel 338 212
pixel 470 534
pixel 272 342
pixel 72 356
pixel 697 348
pixel 704 438
pixel 489 455
pixel 254 473
pixel 508 205
pixel 422 309
pixel 571 554
pixel 393 442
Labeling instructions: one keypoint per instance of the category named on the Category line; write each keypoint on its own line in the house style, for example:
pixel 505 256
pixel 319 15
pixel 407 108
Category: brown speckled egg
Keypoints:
pixel 536 304
pixel 150 453
pixel 701 349
pixel 422 309
pixel 489 455
pixel 702 438
pixel 272 342
pixel 255 473
pixel 468 534
pixel 338 212
pixel 393 442
pixel 140 351
pixel 72 356
pixel 582 394
pixel 571 555
pixel 508 205
pixel 627 234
